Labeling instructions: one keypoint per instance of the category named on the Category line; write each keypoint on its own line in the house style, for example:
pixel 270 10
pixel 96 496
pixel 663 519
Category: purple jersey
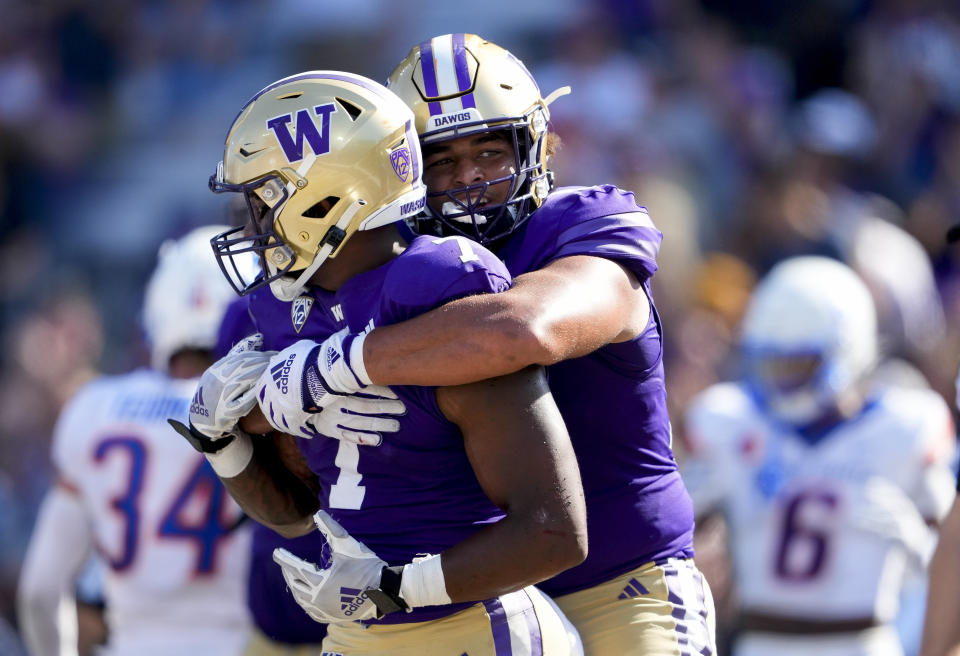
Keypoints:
pixel 612 400
pixel 274 610
pixel 416 493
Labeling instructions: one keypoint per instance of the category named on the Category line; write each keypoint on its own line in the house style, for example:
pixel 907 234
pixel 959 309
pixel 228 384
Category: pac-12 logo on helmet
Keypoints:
pixel 400 159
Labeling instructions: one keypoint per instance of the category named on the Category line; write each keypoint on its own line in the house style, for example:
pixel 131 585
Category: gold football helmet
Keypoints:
pixel 462 84
pixel 317 156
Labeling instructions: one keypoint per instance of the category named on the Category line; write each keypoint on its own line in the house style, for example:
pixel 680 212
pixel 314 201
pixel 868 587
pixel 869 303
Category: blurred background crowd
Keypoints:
pixel 752 131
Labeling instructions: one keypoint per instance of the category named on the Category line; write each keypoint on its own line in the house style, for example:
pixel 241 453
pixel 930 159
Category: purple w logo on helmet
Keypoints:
pixel 304 128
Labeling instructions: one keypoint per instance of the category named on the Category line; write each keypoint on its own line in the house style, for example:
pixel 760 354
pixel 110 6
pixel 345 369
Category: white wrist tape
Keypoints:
pixel 422 583
pixel 232 459
pixel 356 360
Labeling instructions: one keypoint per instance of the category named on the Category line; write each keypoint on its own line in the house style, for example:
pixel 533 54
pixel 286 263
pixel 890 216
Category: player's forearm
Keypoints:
pixel 467 340
pixel 517 551
pixel 272 495
pixel 546 317
pixel 37 616
pixel 60 543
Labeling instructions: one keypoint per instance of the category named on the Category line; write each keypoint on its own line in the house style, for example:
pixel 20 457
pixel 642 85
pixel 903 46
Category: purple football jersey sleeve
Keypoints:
pixel 602 221
pixel 613 400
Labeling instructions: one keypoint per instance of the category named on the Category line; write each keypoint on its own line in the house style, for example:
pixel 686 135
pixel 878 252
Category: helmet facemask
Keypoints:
pixel 461 212
pixel 797 387
pixel 238 242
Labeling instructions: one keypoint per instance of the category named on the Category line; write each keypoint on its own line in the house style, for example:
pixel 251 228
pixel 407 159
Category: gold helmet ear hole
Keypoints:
pixel 304 236
pixel 321 208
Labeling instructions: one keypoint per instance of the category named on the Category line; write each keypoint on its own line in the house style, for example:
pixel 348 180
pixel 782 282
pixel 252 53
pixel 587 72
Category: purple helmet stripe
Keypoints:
pixel 428 68
pixel 463 70
pixel 412 139
pixel 499 627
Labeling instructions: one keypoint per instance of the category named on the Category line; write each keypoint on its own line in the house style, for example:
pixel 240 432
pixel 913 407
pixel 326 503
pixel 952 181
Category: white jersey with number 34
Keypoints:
pixel 159 516
pixel 823 529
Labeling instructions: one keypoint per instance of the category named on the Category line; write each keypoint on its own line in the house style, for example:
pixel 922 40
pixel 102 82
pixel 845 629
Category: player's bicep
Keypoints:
pixel 604 300
pixel 516 441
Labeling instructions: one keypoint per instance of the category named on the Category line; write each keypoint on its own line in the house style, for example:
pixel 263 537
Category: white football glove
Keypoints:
pixel 295 400
pixel 336 593
pixel 340 363
pixel 349 418
pixel 227 389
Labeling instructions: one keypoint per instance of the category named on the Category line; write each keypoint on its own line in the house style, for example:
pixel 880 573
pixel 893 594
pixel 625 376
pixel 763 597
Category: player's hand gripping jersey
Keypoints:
pixel 826 529
pixel 158 514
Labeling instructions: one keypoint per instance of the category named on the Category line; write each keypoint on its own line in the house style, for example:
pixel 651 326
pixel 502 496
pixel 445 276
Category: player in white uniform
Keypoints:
pixel 827 484
pixel 131 488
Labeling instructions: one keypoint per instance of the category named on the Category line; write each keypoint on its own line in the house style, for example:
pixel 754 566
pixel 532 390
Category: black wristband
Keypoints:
pixel 387 597
pixel 198 440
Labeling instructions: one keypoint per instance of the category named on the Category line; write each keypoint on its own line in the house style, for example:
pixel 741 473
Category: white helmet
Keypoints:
pixel 186 296
pixel 809 334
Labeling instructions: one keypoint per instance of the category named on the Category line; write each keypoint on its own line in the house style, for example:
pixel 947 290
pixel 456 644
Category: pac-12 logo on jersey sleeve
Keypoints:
pixel 304 129
pixel 299 311
pixel 400 159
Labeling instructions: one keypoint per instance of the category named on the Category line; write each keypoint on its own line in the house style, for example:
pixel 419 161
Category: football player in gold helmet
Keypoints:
pixel 330 165
pixel 582 258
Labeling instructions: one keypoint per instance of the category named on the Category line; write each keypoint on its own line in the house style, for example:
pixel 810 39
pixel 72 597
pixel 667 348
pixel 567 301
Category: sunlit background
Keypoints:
pixel 751 130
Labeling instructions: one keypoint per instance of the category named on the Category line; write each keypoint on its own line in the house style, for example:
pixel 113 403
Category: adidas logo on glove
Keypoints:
pixel 332 356
pixel 196 405
pixel 281 373
pixel 351 599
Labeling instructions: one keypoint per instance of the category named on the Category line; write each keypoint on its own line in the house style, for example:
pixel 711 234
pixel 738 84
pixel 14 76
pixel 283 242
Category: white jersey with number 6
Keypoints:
pixel 159 516
pixel 823 529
